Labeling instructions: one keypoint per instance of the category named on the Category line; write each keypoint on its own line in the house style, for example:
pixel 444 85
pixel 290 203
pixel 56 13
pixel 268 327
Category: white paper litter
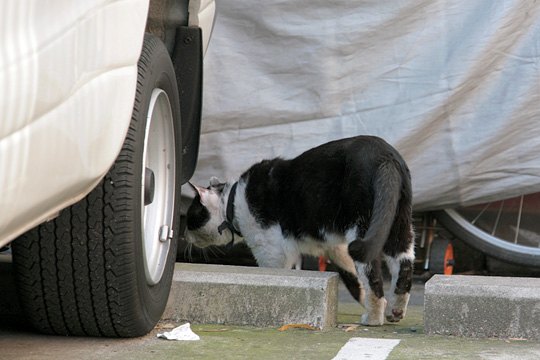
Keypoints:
pixel 182 332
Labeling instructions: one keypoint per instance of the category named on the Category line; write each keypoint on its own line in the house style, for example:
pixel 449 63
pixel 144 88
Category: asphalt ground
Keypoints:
pixel 18 341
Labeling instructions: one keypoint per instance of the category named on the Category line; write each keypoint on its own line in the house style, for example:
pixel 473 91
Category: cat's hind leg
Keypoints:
pixel 400 266
pixel 371 277
pixel 339 256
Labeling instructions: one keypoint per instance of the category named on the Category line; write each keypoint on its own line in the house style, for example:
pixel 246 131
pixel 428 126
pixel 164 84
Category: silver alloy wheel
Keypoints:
pixel 158 186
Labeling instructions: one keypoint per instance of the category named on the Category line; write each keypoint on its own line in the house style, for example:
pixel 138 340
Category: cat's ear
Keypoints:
pixel 214 181
pixel 216 185
pixel 199 190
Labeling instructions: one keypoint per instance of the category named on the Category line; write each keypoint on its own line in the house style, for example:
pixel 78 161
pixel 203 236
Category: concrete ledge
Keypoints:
pixel 217 294
pixel 478 306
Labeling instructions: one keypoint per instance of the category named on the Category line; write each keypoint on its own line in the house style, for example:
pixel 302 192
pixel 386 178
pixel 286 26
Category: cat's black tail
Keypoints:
pixel 387 192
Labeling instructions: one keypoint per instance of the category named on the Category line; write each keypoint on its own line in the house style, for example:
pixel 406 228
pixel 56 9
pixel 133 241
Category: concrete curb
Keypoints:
pixel 479 306
pixel 216 294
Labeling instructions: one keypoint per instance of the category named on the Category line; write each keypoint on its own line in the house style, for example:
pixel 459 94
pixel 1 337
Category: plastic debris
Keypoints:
pixel 182 332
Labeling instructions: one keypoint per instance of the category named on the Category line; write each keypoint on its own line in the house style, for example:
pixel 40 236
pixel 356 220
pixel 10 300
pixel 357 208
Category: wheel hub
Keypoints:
pixel 149 186
pixel 158 188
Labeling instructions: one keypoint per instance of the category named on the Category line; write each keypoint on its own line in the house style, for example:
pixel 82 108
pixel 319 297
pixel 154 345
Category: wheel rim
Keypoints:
pixel 510 225
pixel 158 186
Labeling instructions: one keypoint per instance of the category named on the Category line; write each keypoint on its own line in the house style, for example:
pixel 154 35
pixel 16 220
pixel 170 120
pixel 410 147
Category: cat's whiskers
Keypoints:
pixel 218 250
pixel 215 251
pixel 211 250
pixel 190 252
pixel 205 255
pixel 186 251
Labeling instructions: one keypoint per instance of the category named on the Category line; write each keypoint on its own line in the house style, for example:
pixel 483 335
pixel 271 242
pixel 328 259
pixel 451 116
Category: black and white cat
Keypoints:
pixel 348 200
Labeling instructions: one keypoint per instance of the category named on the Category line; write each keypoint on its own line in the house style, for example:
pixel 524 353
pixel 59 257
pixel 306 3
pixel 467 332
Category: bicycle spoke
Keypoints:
pixel 480 214
pixel 518 219
pixel 497 219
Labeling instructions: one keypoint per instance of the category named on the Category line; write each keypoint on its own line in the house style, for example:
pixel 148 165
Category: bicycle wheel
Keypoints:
pixel 508 229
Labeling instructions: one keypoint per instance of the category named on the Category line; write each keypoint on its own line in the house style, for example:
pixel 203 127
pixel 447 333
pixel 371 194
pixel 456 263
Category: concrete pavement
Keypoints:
pixel 247 342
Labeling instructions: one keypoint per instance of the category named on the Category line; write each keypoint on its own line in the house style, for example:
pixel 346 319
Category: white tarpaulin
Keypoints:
pixel 453 85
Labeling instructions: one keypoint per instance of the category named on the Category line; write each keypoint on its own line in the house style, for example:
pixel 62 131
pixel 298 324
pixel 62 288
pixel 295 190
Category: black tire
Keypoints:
pixel 486 243
pixel 84 272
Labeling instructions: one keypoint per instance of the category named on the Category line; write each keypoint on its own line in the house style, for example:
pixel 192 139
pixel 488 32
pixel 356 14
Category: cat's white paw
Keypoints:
pixel 398 309
pixel 368 320
pixel 394 315
pixel 374 316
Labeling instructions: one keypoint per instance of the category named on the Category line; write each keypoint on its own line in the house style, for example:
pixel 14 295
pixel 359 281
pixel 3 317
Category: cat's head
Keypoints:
pixel 205 215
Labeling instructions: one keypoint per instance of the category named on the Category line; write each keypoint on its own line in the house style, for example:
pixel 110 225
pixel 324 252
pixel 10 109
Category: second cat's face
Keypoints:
pixel 204 216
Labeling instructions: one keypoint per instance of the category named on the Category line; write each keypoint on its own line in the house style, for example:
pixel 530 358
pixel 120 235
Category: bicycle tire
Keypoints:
pixel 493 246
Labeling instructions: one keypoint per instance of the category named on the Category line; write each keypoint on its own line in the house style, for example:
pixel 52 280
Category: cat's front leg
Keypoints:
pixel 296 263
pixel 401 269
pixel 271 249
pixel 268 257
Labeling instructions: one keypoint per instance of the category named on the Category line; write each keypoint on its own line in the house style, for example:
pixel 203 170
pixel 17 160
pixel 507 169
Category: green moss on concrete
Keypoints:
pixel 241 342
pixel 233 342
pixel 223 342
